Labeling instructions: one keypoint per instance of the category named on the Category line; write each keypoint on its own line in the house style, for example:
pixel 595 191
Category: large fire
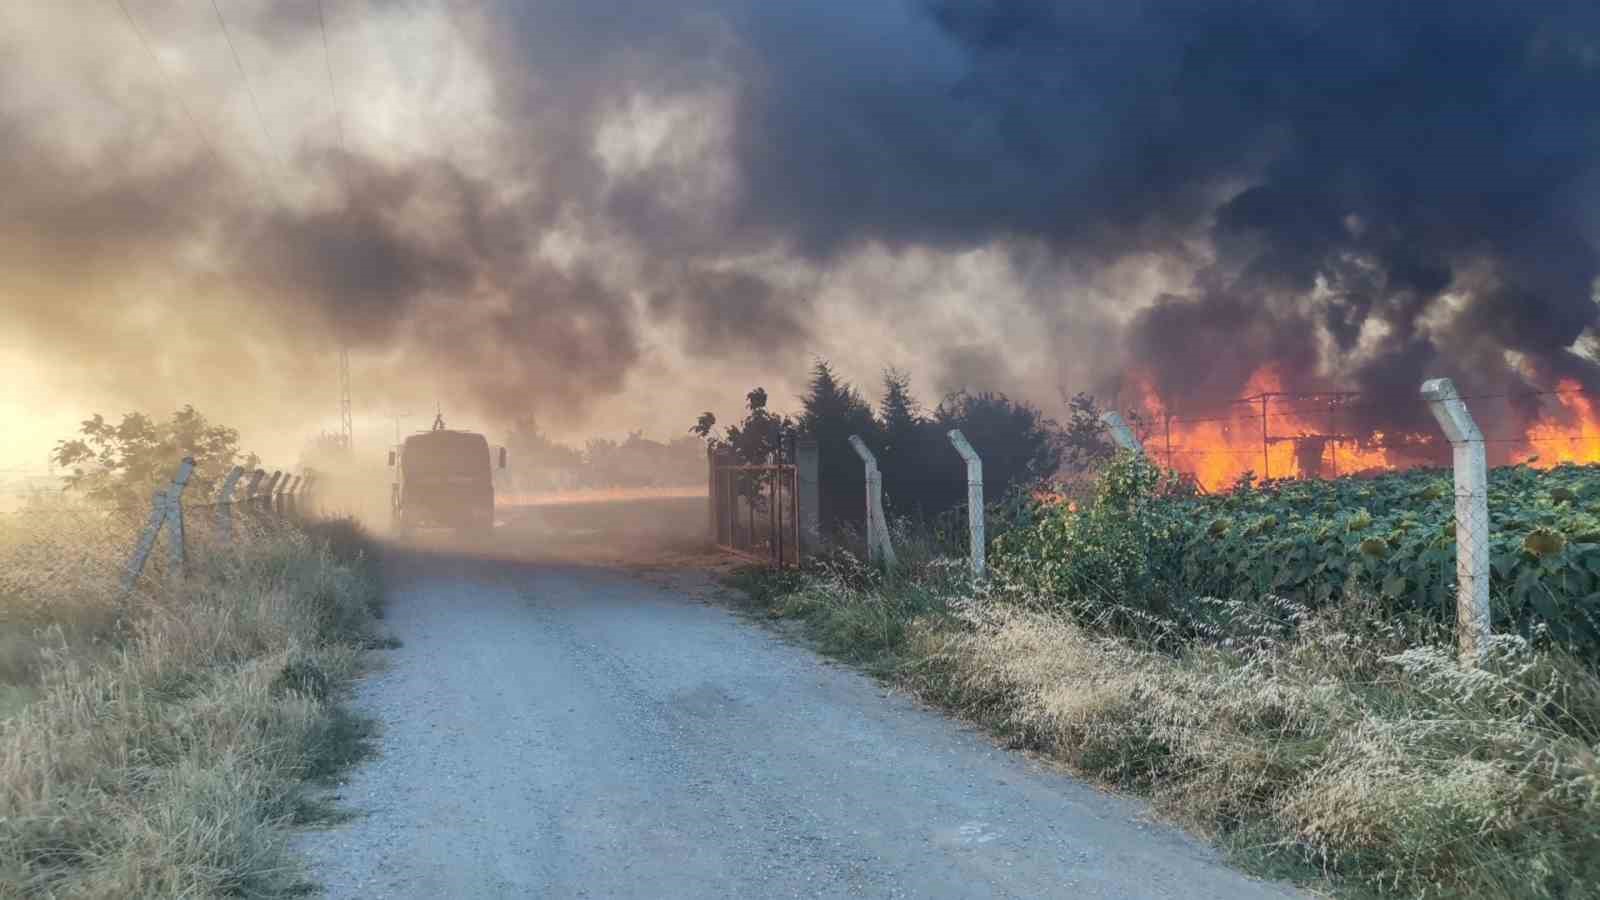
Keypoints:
pixel 1574 439
pixel 1277 435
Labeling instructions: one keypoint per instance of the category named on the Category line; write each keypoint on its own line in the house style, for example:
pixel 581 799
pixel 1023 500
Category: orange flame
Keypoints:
pixel 599 495
pixel 1575 439
pixel 1298 441
pixel 1303 439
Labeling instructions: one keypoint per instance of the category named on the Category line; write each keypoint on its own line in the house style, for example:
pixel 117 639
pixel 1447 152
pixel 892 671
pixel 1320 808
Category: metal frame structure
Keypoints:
pixel 755 508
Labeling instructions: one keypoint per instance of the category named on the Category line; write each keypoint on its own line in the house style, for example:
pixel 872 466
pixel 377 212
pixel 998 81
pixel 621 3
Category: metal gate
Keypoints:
pixel 754 508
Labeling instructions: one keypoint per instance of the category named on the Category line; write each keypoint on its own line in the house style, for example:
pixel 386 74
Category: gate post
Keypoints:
pixel 1472 514
pixel 728 492
pixel 808 496
pixel 974 498
pixel 878 546
pixel 712 495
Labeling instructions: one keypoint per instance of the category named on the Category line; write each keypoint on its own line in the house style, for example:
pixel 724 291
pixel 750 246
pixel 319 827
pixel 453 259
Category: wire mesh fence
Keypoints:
pixel 58 554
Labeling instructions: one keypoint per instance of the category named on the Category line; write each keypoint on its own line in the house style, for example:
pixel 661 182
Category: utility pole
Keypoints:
pixel 346 422
pixel 397 417
pixel 1266 459
pixel 1168 417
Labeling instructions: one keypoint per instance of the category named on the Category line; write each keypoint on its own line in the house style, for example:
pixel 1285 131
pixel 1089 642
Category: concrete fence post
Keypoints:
pixel 1472 514
pixel 974 498
pixel 253 486
pixel 225 504
pixel 162 504
pixel 1120 432
pixel 175 531
pixel 308 493
pixel 809 496
pixel 146 542
pixel 269 491
pixel 879 548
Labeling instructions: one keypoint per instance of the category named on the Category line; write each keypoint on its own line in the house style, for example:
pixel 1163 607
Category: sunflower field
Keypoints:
pixel 1146 545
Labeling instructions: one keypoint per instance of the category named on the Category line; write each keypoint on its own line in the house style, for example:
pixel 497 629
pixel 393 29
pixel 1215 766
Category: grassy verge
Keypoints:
pixel 162 749
pixel 1352 754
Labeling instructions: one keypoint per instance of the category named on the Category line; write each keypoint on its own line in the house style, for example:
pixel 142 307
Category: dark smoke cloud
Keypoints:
pixel 734 313
pixel 1365 194
pixel 1350 165
pixel 1395 153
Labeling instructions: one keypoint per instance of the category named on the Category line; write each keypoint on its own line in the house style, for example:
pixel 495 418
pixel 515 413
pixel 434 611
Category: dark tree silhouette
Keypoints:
pixel 833 410
pixel 1018 443
pixel 923 474
pixel 1085 442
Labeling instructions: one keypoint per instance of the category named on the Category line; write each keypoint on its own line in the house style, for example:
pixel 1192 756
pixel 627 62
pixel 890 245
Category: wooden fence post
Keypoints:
pixel 974 498
pixel 879 547
pixel 1472 514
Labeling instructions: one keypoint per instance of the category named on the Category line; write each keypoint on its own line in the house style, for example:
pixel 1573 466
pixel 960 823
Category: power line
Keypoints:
pixel 166 77
pixel 1340 401
pixel 177 95
pixel 333 90
pixel 255 103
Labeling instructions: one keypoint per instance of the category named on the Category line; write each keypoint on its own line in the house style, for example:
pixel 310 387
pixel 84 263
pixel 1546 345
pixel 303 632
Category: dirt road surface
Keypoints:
pixel 553 729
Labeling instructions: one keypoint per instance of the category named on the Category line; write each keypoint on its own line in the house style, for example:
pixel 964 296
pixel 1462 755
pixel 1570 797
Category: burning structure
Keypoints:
pixel 1270 433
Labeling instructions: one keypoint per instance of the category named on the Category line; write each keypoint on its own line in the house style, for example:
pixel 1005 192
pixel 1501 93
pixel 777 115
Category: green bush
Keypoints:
pixel 1116 555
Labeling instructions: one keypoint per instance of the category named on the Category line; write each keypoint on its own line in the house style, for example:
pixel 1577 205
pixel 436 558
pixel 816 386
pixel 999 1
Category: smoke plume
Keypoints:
pixel 603 211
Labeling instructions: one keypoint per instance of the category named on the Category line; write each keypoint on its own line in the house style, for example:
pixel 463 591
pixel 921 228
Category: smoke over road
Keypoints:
pixel 572 207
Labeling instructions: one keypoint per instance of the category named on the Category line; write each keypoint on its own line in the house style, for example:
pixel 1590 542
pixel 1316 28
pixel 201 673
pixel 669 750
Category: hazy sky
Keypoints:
pixel 613 215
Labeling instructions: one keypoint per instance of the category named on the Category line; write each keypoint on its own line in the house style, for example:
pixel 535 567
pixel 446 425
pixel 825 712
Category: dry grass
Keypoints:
pixel 1354 755
pixel 157 748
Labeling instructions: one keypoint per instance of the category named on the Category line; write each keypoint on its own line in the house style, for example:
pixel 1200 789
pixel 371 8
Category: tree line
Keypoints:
pixel 923 476
pixel 538 462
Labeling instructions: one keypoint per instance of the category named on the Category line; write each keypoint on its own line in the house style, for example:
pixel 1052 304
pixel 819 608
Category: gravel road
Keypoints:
pixel 564 731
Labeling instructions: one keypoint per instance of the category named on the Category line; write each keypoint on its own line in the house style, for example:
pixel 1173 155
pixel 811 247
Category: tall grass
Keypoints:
pixel 159 747
pixel 1350 751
